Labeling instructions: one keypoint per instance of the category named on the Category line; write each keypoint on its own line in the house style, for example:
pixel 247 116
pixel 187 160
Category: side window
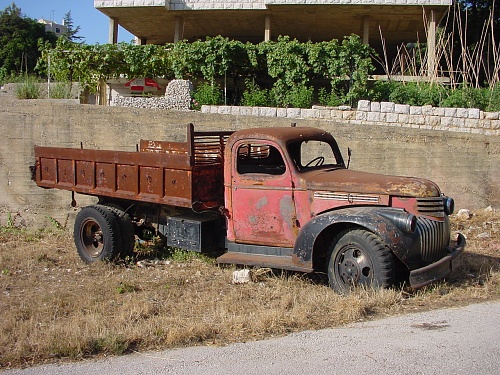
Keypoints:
pixel 259 158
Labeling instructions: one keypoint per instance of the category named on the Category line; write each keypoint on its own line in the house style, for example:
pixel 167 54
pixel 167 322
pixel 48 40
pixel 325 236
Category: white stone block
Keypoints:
pixel 420 120
pixel 293 112
pixel 402 108
pixel 224 110
pixel 459 122
pixel 474 113
pixel 337 114
pixel 360 115
pixel 450 112
pixel 267 111
pixel 364 105
pixel 462 112
pixel 447 122
pixel 235 110
pixel 325 113
pixel 491 115
pixel 434 121
pixel 387 107
pixel 472 123
pixel 375 106
pixel 392 117
pixel 427 110
pixel 348 115
pixel 373 116
pixel 246 111
pixel 281 112
pixel 415 110
pixel 309 113
pixel 403 119
pixel 438 111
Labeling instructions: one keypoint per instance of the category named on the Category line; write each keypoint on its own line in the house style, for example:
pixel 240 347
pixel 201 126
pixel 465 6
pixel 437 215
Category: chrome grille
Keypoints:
pixel 431 206
pixel 434 238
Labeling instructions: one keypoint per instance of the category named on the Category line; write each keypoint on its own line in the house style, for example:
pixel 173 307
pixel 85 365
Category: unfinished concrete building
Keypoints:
pixel 383 24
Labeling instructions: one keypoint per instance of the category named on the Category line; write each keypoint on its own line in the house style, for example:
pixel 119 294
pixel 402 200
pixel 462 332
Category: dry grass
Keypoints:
pixel 54 307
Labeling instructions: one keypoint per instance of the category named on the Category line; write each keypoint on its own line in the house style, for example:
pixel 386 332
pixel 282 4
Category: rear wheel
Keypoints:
pixel 97 234
pixel 359 258
pixel 127 229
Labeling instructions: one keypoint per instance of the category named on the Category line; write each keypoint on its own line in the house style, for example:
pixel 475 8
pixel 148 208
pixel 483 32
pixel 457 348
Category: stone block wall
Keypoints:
pixel 464 120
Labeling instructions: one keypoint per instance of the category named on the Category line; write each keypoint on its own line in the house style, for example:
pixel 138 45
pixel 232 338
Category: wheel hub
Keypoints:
pixel 349 271
pixel 92 238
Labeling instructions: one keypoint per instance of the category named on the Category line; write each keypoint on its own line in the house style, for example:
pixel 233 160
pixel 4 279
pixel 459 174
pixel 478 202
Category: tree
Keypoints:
pixel 475 29
pixel 478 13
pixel 71 30
pixel 19 36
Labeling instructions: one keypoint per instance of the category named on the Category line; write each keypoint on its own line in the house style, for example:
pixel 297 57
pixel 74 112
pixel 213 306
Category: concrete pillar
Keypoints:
pixel 267 29
pixel 113 31
pixel 431 44
pixel 366 30
pixel 141 41
pixel 178 29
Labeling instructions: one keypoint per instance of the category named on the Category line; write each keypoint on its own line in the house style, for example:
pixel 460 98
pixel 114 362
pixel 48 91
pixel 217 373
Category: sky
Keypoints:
pixel 94 25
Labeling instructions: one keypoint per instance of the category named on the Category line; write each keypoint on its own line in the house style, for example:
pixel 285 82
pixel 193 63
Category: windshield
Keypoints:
pixel 312 153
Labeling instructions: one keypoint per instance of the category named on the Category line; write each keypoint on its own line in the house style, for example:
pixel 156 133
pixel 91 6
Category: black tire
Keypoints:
pixel 359 258
pixel 127 229
pixel 97 234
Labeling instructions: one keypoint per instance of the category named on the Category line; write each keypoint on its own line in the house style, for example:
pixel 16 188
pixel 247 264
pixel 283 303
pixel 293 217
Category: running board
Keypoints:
pixel 259 260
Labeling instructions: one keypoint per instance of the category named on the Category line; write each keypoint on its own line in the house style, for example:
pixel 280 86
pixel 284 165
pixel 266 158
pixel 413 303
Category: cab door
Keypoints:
pixel 263 207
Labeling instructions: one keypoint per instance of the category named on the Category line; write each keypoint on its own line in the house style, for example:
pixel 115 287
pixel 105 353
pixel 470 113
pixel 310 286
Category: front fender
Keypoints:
pixel 375 219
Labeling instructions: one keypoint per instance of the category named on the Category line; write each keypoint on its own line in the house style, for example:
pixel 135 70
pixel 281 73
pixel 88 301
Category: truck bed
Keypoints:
pixel 173 173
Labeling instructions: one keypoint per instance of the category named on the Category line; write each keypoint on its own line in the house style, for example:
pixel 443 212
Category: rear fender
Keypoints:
pixel 373 219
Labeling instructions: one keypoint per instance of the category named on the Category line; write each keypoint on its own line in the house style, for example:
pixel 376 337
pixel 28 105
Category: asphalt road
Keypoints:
pixel 455 341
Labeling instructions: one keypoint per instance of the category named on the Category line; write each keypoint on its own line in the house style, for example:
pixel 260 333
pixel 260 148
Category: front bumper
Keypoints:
pixel 440 269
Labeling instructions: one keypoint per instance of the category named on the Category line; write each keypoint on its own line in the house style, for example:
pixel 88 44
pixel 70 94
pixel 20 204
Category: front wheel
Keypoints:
pixel 97 234
pixel 359 258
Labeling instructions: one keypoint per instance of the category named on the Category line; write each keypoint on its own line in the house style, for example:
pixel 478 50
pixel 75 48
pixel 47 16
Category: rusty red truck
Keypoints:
pixel 282 198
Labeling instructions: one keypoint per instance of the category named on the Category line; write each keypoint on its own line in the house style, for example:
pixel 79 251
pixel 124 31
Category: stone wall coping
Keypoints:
pixel 469 120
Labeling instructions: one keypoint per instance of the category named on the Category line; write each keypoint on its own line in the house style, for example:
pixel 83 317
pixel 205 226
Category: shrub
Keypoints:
pixel 61 90
pixel 29 88
pixel 254 96
pixel 207 94
pixel 297 96
pixel 412 93
pixel 329 98
pixel 3 75
pixel 467 97
pixel 494 99
pixel 382 90
pixel 300 96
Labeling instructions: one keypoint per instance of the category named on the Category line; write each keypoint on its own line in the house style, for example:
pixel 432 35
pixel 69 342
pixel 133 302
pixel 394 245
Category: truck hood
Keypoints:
pixel 346 180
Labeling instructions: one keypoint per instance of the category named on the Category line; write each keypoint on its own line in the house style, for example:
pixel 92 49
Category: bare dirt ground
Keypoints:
pixel 56 308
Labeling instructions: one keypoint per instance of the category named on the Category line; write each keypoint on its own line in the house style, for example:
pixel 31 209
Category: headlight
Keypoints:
pixel 404 221
pixel 449 205
pixel 410 225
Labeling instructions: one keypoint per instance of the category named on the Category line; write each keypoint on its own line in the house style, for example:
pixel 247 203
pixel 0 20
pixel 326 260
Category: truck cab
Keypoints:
pixel 292 203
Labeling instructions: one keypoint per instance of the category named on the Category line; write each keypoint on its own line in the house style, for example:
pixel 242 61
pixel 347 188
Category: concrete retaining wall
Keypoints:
pixel 465 165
